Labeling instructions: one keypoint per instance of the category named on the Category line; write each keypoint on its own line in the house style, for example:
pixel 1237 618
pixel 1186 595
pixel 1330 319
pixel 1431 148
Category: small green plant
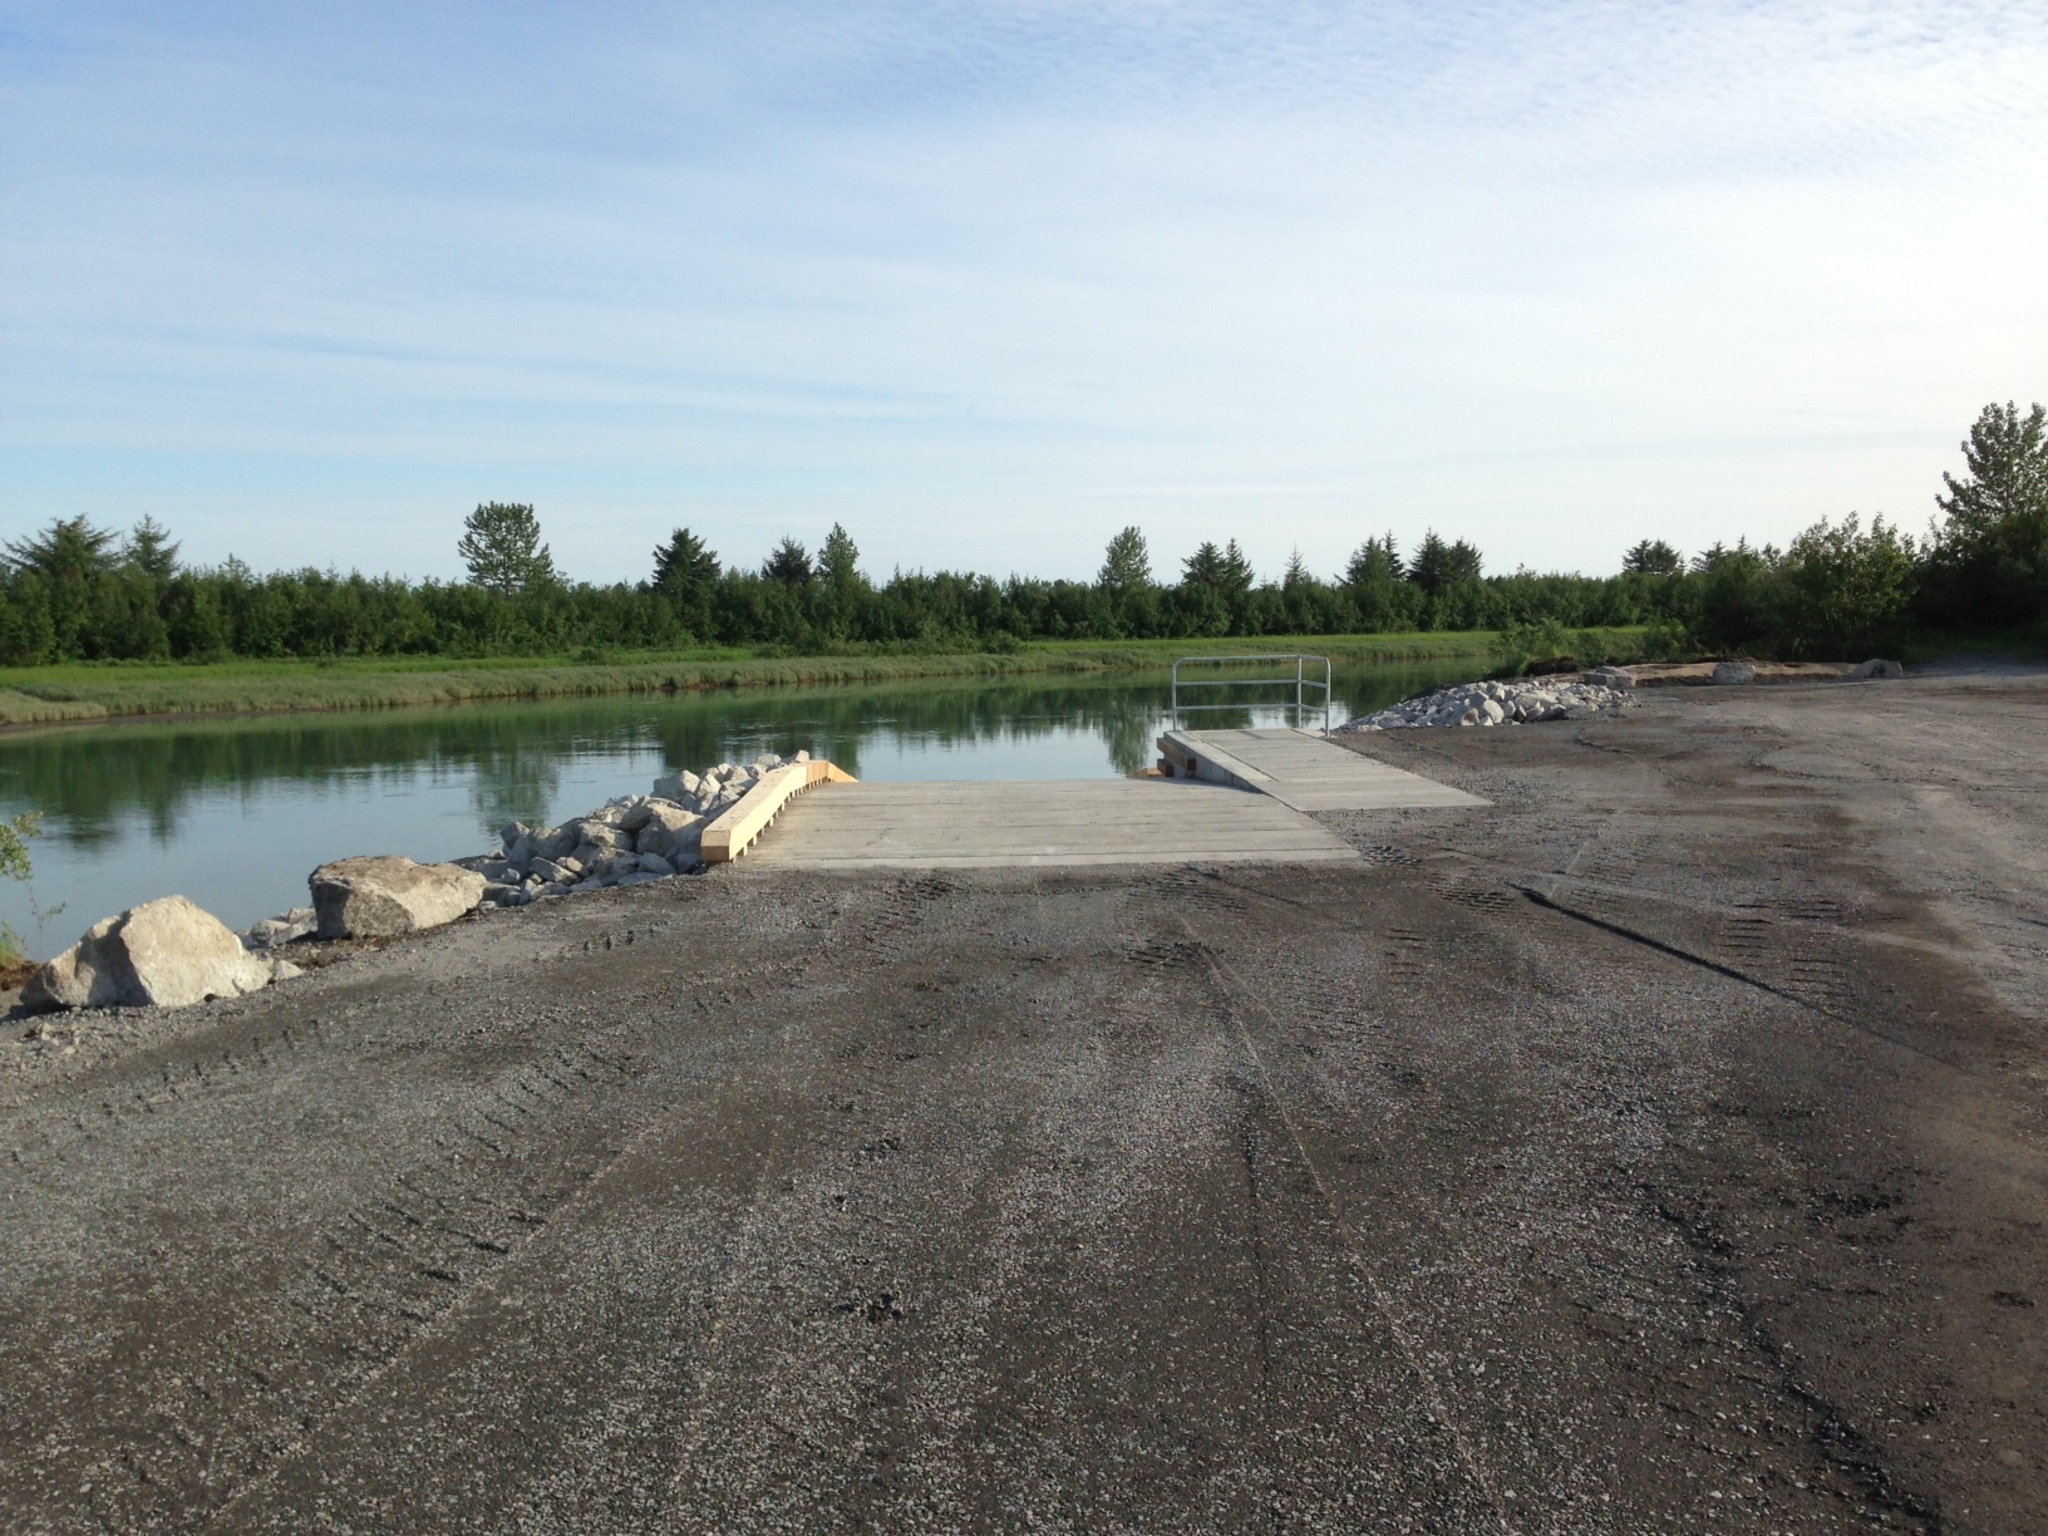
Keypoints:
pixel 14 836
pixel 15 864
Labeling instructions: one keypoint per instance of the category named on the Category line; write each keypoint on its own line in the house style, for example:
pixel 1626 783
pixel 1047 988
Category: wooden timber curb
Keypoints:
pixel 734 832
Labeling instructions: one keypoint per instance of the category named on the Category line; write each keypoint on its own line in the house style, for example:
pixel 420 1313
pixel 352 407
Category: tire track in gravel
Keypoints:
pixel 848 934
pixel 730 1408
pixel 492 1165
pixel 1237 999
pixel 1845 1461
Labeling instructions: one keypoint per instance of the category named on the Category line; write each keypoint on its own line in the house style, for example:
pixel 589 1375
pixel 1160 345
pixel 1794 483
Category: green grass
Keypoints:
pixel 99 691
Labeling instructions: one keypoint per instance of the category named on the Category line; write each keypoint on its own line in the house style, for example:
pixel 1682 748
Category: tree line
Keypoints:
pixel 76 591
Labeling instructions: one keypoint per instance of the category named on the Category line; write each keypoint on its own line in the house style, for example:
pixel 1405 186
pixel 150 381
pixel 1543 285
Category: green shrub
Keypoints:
pixel 1844 593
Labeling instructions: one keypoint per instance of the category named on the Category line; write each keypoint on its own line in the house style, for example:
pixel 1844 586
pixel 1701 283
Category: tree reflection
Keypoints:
pixel 92 781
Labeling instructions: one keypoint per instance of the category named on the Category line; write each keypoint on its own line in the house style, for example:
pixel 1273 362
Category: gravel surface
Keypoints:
pixel 1661 1148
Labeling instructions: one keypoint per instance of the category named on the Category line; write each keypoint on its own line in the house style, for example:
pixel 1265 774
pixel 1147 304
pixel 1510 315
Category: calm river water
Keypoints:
pixel 234 813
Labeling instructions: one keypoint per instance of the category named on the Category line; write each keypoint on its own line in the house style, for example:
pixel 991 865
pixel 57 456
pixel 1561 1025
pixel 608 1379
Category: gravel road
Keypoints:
pixel 1661 1148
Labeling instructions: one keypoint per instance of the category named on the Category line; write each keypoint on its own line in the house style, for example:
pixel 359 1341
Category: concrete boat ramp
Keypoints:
pixel 1234 796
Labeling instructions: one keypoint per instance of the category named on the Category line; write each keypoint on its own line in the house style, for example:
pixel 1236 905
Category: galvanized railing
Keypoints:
pixel 1303 683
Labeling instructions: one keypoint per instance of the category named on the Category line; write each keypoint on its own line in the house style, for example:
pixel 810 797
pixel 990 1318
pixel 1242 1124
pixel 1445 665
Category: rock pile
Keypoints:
pixel 170 953
pixel 1604 691
pixel 626 841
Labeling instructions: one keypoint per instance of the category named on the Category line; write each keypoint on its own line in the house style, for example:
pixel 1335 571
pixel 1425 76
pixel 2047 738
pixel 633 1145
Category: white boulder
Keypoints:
pixel 166 953
pixel 384 896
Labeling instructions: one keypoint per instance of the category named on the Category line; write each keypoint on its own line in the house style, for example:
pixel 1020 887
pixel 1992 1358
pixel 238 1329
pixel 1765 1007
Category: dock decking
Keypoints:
pixel 1305 772
pixel 1247 801
pixel 1063 822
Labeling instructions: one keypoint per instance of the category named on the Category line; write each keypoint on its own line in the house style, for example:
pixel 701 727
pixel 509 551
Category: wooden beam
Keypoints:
pixel 731 835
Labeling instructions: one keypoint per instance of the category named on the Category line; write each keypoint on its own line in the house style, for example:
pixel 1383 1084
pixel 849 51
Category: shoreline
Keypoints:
pixel 99 694
pixel 1696 982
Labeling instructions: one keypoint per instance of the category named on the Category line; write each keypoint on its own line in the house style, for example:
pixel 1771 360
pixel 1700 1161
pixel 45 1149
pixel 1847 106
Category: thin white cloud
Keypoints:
pixel 1552 277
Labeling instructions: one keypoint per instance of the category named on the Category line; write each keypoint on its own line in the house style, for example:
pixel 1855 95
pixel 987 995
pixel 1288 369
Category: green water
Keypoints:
pixel 234 813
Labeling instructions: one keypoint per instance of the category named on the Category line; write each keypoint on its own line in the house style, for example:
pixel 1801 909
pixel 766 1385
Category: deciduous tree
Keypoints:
pixel 1989 561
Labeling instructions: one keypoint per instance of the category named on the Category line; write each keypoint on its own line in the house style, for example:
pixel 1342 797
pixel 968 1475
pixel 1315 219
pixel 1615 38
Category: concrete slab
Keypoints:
pixel 1306 772
pixel 1064 823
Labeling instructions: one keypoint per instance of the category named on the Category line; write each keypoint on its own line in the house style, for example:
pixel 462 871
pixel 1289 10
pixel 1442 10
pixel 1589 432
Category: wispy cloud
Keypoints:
pixel 1548 276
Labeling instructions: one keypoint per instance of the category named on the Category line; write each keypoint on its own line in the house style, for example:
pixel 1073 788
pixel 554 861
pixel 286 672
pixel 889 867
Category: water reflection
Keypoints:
pixel 234 812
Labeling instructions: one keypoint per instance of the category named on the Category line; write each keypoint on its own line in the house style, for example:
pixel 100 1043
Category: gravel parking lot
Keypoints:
pixel 1660 1148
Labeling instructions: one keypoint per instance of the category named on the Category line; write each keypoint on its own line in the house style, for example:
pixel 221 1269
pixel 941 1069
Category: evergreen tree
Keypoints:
pixel 1439 566
pixel 1375 560
pixel 151 550
pixel 1237 570
pixel 501 545
pixel 1223 571
pixel 1426 570
pixel 1204 568
pixel 28 633
pixel 685 566
pixel 60 572
pixel 67 552
pixel 1652 557
pixel 1296 576
pixel 790 565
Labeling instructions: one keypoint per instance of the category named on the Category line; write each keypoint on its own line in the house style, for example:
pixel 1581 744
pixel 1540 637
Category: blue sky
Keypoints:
pixel 986 283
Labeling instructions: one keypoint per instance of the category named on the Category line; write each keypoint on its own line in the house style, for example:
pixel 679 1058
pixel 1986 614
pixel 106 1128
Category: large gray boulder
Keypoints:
pixel 671 834
pixel 677 786
pixel 1877 669
pixel 593 832
pixel 1734 674
pixel 384 896
pixel 166 953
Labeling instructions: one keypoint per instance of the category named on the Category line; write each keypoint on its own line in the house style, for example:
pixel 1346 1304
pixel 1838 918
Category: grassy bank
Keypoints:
pixel 98 691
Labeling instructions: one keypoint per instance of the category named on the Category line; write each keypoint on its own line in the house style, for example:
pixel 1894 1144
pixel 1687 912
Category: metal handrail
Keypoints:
pixel 1302 683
